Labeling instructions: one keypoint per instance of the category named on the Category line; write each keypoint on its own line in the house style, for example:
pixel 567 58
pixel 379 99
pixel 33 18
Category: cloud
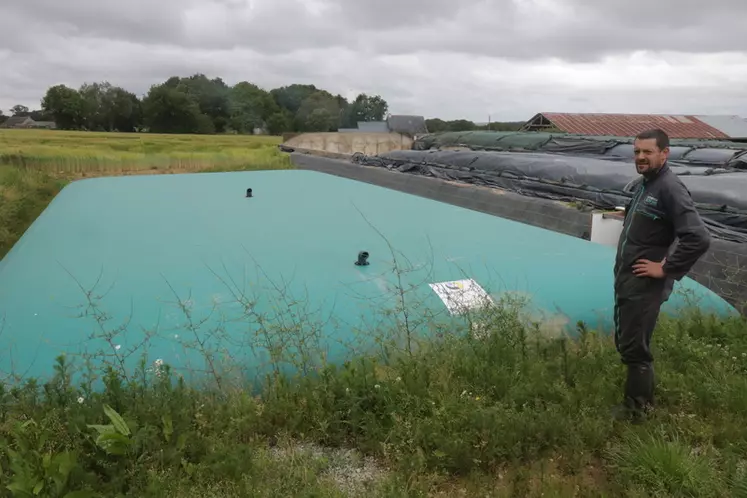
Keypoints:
pixel 471 59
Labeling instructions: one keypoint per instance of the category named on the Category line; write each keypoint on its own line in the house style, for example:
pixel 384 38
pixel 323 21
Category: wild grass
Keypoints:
pixel 77 153
pixel 23 196
pixel 36 164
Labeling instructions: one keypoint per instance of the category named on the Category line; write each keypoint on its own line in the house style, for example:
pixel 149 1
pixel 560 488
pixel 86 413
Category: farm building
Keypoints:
pixel 26 122
pixel 410 126
pixel 626 125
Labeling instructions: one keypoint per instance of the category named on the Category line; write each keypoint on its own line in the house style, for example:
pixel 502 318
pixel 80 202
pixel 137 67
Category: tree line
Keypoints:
pixel 198 104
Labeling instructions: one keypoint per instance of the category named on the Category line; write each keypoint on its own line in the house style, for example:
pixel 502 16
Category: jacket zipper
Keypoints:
pixel 633 207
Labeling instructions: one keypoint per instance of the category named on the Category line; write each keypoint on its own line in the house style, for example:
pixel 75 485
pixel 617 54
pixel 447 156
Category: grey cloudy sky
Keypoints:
pixel 446 58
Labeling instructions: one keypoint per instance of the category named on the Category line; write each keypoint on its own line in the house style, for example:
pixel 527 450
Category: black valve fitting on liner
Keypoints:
pixel 362 258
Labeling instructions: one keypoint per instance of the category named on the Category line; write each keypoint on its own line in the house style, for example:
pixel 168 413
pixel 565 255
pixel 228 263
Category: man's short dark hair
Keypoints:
pixel 662 139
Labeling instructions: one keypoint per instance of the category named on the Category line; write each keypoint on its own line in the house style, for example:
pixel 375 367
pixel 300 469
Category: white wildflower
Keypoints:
pixel 81 399
pixel 157 367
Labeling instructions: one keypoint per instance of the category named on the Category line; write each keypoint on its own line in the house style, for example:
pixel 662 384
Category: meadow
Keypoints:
pixel 512 413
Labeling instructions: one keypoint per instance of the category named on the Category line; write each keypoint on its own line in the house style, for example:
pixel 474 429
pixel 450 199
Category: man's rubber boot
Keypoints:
pixel 639 394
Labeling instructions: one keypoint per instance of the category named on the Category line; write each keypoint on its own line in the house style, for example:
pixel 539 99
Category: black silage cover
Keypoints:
pixel 720 194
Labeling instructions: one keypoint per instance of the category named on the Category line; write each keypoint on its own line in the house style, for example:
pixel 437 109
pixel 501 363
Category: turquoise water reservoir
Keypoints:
pixel 178 266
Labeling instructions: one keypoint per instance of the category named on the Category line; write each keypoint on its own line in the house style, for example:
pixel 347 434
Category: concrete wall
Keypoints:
pixel 723 269
pixel 551 215
pixel 349 143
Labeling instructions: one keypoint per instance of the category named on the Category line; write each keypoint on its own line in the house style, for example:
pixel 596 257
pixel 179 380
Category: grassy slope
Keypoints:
pixel 23 196
pixel 511 415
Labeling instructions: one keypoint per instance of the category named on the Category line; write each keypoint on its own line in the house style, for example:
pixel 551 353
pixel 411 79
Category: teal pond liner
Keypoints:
pixel 191 272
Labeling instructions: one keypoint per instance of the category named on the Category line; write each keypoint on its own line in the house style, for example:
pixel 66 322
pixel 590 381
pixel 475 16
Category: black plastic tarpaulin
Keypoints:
pixel 689 151
pixel 720 194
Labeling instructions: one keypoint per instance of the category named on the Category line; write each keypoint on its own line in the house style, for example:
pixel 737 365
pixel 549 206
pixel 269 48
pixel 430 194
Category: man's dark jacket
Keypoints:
pixel 661 212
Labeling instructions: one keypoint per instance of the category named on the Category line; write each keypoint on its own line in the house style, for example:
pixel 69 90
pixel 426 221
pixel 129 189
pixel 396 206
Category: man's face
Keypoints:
pixel 648 157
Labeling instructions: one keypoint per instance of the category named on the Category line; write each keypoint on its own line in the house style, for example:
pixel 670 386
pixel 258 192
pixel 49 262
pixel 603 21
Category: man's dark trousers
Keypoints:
pixel 636 316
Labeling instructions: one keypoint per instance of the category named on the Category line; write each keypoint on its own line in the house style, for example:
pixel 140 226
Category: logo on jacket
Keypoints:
pixel 651 200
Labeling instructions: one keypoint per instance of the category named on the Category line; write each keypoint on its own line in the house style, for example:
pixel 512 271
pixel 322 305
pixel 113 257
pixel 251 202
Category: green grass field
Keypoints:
pixel 511 414
pixel 89 154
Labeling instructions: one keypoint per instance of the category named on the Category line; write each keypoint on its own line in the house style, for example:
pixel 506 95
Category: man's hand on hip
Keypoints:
pixel 646 268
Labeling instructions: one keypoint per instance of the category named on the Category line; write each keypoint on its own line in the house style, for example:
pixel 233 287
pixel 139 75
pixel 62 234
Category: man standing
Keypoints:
pixel 661 212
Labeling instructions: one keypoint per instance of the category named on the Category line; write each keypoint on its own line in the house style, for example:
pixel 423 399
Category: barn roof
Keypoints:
pixel 15 121
pixel 624 125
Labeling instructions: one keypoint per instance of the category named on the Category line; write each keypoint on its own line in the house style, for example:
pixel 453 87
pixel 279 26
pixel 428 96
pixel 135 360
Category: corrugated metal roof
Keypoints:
pixel 734 126
pixel 627 125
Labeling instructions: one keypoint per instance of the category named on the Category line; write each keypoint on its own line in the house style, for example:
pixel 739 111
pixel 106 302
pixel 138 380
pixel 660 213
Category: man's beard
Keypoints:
pixel 645 168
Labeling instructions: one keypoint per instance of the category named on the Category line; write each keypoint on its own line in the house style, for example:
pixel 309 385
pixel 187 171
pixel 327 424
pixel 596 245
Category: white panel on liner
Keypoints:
pixel 460 296
pixel 605 230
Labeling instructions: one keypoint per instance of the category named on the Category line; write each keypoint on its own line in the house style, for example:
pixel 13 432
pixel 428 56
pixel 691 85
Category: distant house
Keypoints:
pixel 17 122
pixel 27 122
pixel 411 126
pixel 627 125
